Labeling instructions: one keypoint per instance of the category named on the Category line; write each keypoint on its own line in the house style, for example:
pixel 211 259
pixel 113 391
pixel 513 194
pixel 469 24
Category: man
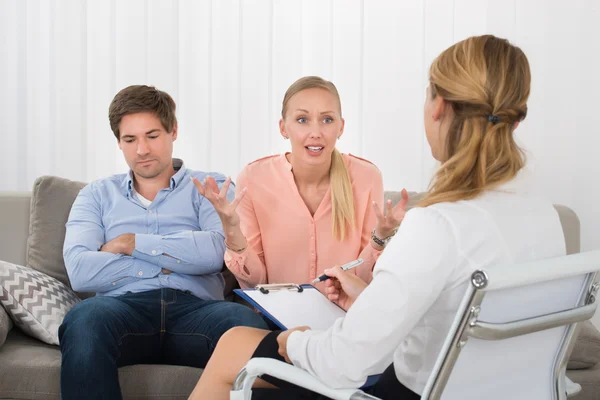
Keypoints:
pixel 152 248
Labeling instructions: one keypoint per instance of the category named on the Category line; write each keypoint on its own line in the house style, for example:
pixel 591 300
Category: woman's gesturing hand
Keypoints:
pixel 388 223
pixel 218 198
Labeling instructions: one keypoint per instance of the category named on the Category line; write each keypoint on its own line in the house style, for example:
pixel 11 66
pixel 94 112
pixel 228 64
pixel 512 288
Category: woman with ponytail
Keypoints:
pixel 473 216
pixel 301 212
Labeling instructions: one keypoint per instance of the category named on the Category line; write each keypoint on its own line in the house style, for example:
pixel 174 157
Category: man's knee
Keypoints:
pixel 85 320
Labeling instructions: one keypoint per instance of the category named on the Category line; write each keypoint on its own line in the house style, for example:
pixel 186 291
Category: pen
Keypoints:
pixel 345 267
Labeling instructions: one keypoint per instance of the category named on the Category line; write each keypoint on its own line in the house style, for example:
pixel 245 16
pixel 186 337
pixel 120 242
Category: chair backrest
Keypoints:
pixel 515 329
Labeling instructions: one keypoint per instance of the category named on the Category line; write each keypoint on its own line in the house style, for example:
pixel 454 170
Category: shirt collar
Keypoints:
pixel 179 172
pixel 174 182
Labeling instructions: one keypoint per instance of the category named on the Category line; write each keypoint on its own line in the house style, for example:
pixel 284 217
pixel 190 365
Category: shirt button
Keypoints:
pixel 178 261
pixel 149 211
pixel 140 273
pixel 153 251
pixel 312 237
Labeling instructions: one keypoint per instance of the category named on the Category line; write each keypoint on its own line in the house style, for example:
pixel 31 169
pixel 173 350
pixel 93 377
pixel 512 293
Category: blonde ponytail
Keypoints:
pixel 342 198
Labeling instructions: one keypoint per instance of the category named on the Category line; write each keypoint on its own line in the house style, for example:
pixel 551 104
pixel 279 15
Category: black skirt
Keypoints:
pixel 387 387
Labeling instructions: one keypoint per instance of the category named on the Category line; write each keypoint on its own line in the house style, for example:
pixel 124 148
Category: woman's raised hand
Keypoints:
pixel 388 223
pixel 218 198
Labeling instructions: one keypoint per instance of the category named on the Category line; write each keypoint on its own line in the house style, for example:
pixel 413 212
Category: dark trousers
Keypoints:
pixel 387 387
pixel 162 326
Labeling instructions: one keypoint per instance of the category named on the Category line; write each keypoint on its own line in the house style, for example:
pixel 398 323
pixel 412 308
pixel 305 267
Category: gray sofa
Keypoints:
pixel 31 233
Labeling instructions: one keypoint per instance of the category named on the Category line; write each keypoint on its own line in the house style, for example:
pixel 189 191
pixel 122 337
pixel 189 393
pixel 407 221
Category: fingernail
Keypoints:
pixel 244 190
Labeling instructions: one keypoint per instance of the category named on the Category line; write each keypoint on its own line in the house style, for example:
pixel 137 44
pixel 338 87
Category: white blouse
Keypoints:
pixel 404 315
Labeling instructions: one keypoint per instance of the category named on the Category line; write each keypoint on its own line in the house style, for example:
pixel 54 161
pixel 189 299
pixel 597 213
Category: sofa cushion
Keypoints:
pixel 5 325
pixel 51 202
pixel 586 352
pixel 30 369
pixel 36 302
pixel 589 379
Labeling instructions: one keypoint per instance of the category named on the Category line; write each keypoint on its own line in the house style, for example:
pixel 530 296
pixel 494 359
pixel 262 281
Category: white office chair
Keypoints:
pixel 511 337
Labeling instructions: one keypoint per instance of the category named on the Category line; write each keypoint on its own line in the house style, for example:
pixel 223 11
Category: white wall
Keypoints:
pixel 227 63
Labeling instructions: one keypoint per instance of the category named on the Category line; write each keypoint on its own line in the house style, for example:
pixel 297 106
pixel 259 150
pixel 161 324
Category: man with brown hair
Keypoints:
pixel 152 248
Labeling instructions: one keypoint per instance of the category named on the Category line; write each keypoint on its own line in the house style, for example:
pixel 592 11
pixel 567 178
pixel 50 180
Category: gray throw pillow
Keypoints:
pixel 36 302
pixel 51 202
pixel 586 352
pixel 5 325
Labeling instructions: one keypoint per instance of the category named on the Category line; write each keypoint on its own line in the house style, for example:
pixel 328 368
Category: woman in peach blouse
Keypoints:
pixel 296 214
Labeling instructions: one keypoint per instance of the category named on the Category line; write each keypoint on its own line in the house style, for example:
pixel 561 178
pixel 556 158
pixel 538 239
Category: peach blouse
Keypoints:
pixel 286 244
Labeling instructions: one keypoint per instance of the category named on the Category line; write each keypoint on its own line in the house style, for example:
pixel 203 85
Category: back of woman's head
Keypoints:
pixel 486 82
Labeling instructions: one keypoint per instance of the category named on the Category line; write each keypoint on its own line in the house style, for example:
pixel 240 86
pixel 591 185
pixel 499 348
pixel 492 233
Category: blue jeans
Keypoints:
pixel 162 326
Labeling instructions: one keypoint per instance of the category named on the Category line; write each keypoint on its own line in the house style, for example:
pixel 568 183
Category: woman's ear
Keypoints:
pixel 439 106
pixel 342 128
pixel 282 129
pixel 516 125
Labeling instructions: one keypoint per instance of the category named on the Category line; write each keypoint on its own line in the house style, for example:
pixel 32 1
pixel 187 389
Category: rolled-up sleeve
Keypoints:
pixel 368 253
pixel 248 266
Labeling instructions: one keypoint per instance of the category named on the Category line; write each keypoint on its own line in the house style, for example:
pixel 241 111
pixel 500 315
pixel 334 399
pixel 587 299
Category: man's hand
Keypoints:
pixel 282 339
pixel 123 244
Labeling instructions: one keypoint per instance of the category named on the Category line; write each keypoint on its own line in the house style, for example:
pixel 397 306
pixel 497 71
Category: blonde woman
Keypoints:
pixel 473 216
pixel 301 212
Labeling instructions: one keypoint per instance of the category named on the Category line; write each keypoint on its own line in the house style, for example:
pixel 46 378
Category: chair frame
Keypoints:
pixel 471 326
pixel 467 324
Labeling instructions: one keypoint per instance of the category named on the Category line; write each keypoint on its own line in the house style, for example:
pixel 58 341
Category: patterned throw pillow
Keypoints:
pixel 36 302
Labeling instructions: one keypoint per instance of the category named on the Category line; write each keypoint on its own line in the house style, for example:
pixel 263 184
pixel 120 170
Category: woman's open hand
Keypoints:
pixel 218 198
pixel 388 223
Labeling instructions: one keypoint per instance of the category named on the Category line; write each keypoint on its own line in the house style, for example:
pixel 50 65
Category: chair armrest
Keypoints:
pixel 287 372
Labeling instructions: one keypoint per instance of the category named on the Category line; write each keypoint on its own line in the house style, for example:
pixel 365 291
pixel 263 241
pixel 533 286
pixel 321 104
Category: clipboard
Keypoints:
pixel 289 305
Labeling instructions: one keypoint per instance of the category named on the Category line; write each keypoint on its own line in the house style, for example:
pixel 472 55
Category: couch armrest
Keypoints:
pixel 6 325
pixel 14 229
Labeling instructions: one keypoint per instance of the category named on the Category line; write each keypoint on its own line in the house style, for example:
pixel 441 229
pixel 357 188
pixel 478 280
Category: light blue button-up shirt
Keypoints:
pixel 179 231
